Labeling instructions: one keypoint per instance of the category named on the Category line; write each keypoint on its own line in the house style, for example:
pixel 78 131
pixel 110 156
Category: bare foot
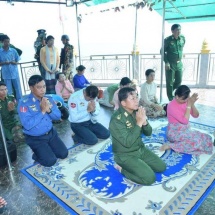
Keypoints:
pixel 119 168
pixel 164 147
pixel 2 202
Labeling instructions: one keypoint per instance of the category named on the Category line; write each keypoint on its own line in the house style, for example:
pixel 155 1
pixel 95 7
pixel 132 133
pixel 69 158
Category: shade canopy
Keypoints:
pixel 187 10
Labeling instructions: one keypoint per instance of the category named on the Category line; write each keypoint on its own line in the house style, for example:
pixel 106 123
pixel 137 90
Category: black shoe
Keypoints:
pixel 34 157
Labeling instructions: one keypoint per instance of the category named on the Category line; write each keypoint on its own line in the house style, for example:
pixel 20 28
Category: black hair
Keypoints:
pixel 182 91
pixel 125 92
pixel 58 75
pixel 1 35
pixel 175 26
pixel 2 84
pixel 124 81
pixel 34 79
pixel 4 37
pixel 92 91
pixel 50 37
pixel 80 68
pixel 149 71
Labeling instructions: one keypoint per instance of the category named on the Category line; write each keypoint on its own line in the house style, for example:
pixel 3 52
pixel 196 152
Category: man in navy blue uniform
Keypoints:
pixel 36 113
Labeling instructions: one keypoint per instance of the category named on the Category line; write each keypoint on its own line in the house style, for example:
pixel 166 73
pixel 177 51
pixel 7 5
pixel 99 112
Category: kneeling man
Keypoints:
pixel 83 111
pixel 127 124
pixel 36 113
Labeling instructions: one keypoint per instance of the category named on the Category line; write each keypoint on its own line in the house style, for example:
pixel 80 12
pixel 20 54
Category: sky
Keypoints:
pixel 100 33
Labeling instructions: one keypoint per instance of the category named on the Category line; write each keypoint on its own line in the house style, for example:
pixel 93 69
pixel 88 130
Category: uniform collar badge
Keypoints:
pixel 125 113
pixel 119 117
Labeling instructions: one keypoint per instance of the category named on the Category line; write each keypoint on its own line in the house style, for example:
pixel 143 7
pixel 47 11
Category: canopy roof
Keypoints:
pixel 176 10
pixel 187 10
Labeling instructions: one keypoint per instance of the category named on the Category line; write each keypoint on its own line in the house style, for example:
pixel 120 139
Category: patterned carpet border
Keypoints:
pixel 80 198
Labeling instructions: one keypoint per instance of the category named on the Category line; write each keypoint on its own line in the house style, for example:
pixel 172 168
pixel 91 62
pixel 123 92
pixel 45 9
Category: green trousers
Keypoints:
pixel 140 168
pixel 173 78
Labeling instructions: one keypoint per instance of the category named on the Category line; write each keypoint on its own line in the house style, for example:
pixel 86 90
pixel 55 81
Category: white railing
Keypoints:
pixel 107 69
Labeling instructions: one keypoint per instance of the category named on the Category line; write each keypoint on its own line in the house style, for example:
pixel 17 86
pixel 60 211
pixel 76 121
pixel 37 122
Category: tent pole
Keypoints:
pixel 5 145
pixel 77 22
pixel 135 71
pixel 162 50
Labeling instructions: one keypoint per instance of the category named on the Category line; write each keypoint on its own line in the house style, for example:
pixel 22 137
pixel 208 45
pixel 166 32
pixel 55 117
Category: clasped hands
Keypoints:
pixel 91 106
pixel 10 105
pixel 52 71
pixel 192 99
pixel 141 117
pixel 45 105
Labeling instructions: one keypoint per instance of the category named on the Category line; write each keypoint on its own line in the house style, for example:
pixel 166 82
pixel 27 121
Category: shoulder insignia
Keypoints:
pixel 25 99
pixel 125 113
pixel 119 117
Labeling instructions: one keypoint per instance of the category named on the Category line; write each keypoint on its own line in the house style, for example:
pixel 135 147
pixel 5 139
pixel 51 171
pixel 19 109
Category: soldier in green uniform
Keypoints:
pixel 12 127
pixel 173 52
pixel 66 57
pixel 38 44
pixel 127 124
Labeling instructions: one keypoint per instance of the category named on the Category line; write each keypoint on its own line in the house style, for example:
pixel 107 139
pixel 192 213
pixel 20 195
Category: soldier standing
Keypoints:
pixel 66 58
pixel 38 44
pixel 173 52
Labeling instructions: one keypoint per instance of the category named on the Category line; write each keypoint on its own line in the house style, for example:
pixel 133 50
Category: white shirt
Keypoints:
pixel 148 92
pixel 78 108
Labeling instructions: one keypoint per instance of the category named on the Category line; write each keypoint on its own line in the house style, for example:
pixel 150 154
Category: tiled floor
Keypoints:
pixel 24 198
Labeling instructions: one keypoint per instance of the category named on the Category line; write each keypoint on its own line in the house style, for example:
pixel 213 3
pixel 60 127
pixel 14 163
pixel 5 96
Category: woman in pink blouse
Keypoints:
pixel 181 137
pixel 63 87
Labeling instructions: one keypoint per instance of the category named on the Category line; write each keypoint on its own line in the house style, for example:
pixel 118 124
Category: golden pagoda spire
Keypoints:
pixel 205 49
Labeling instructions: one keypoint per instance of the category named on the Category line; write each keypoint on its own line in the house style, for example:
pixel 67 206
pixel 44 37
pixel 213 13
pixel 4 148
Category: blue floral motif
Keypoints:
pixel 72 160
pixel 52 173
pixel 154 206
pixel 116 213
pixel 173 159
pixel 102 180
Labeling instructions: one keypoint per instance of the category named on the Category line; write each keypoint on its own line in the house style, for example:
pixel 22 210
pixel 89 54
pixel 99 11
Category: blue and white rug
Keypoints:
pixel 87 182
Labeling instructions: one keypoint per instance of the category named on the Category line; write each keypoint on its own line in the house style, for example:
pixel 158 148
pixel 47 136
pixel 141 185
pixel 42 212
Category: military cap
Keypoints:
pixel 41 31
pixel 65 37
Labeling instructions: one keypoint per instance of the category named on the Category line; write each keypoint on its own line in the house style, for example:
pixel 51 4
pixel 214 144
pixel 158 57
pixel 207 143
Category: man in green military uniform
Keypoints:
pixel 127 124
pixel 12 127
pixel 38 44
pixel 173 52
pixel 66 57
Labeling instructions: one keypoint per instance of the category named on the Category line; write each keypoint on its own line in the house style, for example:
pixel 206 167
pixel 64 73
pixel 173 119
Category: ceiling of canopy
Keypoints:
pixel 187 10
pixel 176 10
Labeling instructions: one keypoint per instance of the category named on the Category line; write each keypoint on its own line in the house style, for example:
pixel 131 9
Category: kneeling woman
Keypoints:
pixel 182 138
